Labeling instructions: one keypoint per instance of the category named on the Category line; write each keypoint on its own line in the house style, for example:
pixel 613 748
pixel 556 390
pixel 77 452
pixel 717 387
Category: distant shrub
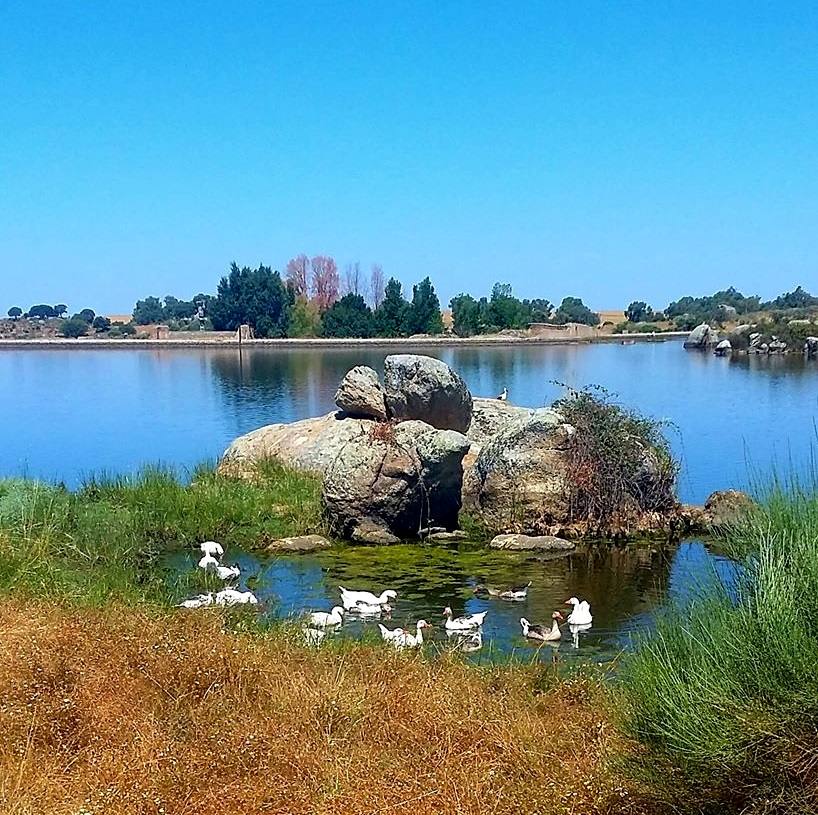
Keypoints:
pixel 73 328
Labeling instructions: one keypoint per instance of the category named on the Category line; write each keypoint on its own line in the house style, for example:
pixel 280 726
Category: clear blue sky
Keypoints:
pixel 608 150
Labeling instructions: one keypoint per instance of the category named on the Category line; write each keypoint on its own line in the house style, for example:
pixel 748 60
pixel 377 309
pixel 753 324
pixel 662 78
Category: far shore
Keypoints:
pixel 230 341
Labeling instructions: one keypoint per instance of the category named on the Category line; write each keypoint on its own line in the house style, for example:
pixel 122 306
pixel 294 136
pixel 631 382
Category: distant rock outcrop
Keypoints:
pixel 702 336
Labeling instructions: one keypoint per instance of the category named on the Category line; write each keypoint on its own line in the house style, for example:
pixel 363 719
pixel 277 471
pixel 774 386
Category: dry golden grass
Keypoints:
pixel 123 711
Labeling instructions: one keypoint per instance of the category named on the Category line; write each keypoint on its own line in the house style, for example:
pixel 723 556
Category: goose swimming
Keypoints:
pixel 233 597
pixel 326 619
pixel 352 598
pixel 581 615
pixel 211 548
pixel 538 632
pixel 464 623
pixel 407 640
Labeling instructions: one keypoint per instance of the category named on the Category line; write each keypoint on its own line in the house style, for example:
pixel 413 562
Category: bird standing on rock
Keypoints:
pixel 504 395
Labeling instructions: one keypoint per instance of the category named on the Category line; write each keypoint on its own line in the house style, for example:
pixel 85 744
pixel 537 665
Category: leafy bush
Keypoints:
pixel 620 463
pixel 73 328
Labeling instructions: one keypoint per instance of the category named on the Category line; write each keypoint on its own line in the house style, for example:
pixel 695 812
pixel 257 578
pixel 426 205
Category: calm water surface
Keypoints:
pixel 68 414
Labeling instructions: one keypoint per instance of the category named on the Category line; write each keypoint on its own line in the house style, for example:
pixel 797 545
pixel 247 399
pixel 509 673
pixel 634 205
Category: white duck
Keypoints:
pixel 326 619
pixel 407 640
pixel 233 597
pixel 389 634
pixel 352 598
pixel 504 395
pixel 515 592
pixel 581 615
pixel 198 602
pixel 211 548
pixel 208 562
pixel 227 572
pixel 465 623
pixel 369 610
pixel 538 632
pixel 313 636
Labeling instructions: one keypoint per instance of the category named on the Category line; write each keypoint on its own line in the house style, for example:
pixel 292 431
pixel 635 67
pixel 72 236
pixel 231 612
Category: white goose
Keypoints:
pixel 504 395
pixel 538 632
pixel 369 610
pixel 211 548
pixel 389 634
pixel 353 598
pixel 208 562
pixel 581 615
pixel 407 640
pixel 197 602
pixel 465 623
pixel 227 572
pixel 327 619
pixel 233 597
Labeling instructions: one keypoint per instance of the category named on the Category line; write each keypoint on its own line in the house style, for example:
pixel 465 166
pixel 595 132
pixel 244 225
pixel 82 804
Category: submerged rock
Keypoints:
pixel 424 388
pixel 541 543
pixel 360 394
pixel 300 543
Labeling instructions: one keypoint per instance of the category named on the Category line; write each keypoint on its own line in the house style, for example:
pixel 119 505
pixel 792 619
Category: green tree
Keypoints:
pixel 506 311
pixel 257 297
pixel 423 315
pixel 466 315
pixel 73 328
pixel 175 309
pixel 41 312
pixel 573 310
pixel 148 311
pixel 390 316
pixel 101 323
pixel 539 310
pixel 87 314
pixel 639 312
pixel 349 317
pixel 305 319
pixel 15 312
pixel 799 298
pixel 60 309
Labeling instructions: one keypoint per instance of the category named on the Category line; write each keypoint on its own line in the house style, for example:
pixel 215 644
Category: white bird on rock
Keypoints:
pixel 504 395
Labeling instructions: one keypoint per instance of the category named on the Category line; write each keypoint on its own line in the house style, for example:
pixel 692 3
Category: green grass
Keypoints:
pixel 724 693
pixel 107 539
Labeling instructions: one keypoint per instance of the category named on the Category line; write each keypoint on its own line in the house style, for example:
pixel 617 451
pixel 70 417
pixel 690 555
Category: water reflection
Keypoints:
pixel 624 586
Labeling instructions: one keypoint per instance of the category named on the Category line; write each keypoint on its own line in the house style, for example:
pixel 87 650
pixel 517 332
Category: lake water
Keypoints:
pixel 67 414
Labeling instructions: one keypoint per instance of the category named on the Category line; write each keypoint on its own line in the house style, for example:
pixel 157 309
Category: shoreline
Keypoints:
pixel 306 343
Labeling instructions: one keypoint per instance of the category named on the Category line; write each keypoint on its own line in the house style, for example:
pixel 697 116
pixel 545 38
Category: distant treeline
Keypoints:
pixel 313 299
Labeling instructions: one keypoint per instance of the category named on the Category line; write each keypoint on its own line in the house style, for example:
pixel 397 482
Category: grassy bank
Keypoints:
pixel 119 710
pixel 106 539
pixel 725 693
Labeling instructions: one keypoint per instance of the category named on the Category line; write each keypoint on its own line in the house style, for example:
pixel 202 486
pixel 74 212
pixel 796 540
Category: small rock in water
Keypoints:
pixel 542 543
pixel 300 543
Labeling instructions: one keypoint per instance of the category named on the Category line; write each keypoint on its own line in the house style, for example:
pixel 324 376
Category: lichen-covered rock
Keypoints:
pixel 542 543
pixel 725 508
pixel 387 485
pixel 360 394
pixel 519 477
pixel 424 388
pixel 300 543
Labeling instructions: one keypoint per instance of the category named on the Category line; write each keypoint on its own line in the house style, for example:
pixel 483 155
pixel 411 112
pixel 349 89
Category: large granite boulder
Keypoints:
pixel 726 508
pixel 724 348
pixel 310 444
pixel 518 482
pixel 702 336
pixel 395 480
pixel 424 388
pixel 360 394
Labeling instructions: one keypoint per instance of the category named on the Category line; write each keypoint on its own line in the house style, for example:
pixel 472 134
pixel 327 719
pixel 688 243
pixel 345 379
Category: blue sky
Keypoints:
pixel 612 151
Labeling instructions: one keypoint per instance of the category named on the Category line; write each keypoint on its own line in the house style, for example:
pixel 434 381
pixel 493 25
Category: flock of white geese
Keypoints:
pixel 467 629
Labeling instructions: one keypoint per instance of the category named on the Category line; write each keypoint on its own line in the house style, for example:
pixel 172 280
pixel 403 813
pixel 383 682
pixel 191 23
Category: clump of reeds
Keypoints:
pixel 724 693
pixel 121 711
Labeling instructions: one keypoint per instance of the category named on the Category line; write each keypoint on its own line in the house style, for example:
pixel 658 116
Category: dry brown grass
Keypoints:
pixel 122 711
